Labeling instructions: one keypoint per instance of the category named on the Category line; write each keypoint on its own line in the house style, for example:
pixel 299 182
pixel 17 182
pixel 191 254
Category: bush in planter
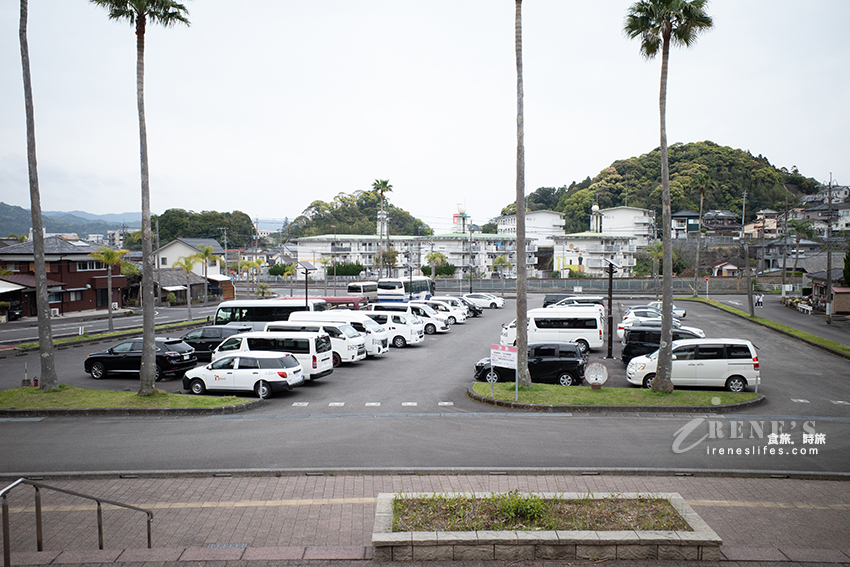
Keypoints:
pixel 171 298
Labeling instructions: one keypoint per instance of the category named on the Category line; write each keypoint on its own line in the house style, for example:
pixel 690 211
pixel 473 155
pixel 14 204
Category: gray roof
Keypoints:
pixel 53 245
pixel 171 277
pixel 196 242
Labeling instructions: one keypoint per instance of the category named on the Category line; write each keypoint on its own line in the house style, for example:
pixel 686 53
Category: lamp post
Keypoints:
pixel 333 256
pixel 612 266
pixel 307 267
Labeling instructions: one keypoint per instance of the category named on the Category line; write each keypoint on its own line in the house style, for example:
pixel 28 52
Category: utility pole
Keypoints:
pixel 226 270
pixel 743 215
pixel 829 253
pixel 158 266
pixel 785 247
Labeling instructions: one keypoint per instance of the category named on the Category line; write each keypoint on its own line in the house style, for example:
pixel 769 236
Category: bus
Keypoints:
pixel 351 302
pixel 255 313
pixel 369 290
pixel 405 289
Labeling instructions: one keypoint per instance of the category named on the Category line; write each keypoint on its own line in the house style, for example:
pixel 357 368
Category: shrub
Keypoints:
pixel 171 298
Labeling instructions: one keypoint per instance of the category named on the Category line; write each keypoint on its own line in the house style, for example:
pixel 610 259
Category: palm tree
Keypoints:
pixel 658 23
pixel 325 262
pixel 262 289
pixel 383 186
pixel 187 264
pixel 523 377
pixel 655 251
pixel 138 12
pixel 110 257
pixel 49 379
pixel 701 182
pixel 498 263
pixel 435 259
pixel 205 254
pixel 800 228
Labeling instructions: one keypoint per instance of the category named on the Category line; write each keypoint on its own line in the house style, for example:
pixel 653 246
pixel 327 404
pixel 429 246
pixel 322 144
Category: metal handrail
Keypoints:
pixel 7 544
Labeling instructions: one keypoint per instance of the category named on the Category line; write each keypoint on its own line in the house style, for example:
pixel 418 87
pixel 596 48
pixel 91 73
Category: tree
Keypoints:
pixel 701 182
pixel 498 263
pixel 523 377
pixel 655 252
pixel 382 186
pixel 326 262
pixel 187 264
pixel 262 289
pixel 658 23
pixel 205 255
pixel 138 12
pixel 846 271
pixel 801 229
pixel 435 259
pixel 110 257
pixel 489 228
pixel 386 258
pixel 49 379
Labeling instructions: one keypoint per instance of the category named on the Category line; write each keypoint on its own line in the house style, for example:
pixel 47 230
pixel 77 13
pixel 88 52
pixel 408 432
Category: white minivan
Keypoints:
pixel 582 326
pixel 404 328
pixel 313 351
pixel 348 345
pixel 433 321
pixel 377 338
pixel 452 314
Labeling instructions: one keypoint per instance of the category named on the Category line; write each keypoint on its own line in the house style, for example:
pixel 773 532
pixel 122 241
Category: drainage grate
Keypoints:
pixel 228 545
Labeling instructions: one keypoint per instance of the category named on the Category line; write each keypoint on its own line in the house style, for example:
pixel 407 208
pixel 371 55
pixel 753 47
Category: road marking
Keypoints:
pixel 733 302
pixel 373 403
pixel 445 403
pixel 840 402
pixel 408 403
pixel 800 401
pixel 301 404
pixel 336 404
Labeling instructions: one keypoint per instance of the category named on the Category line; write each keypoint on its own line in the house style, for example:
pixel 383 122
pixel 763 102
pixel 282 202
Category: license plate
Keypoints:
pixel 185 357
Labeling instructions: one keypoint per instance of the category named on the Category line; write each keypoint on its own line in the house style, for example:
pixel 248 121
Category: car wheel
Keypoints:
pixel 197 387
pixel 647 380
pixel 97 370
pixel 430 329
pixel 583 347
pixel 566 379
pixel 157 374
pixel 399 342
pixel 736 384
pixel 493 305
pixel 452 320
pixel 262 389
pixel 337 360
pixel 491 374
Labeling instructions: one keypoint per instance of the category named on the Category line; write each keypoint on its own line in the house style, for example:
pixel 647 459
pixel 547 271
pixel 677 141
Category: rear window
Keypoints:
pixel 301 346
pixel 710 352
pixel 323 344
pixel 282 362
pixel 175 346
pixel 565 323
pixel 738 351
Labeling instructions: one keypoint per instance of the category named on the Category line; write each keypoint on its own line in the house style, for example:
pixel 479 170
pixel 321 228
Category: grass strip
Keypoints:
pixel 515 511
pixel 844 349
pixel 554 394
pixel 71 397
pixel 114 334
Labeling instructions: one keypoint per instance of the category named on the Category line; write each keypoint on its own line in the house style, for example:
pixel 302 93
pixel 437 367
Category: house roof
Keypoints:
pixel 170 277
pixel 628 208
pixel 592 235
pixel 685 214
pixel 28 280
pixel 197 242
pixel 53 246
pixel 837 276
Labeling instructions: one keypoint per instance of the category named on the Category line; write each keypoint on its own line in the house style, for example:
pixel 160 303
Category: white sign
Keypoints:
pixel 503 356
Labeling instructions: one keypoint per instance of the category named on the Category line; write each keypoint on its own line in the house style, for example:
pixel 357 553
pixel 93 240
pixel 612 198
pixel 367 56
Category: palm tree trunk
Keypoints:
pixel 189 295
pixel 699 238
pixel 523 376
pixel 109 296
pixel 147 375
pixel 49 380
pixel 662 382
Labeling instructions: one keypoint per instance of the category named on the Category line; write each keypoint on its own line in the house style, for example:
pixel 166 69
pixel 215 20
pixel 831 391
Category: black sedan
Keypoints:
pixel 173 357
pixel 205 339
pixel 472 309
pixel 556 363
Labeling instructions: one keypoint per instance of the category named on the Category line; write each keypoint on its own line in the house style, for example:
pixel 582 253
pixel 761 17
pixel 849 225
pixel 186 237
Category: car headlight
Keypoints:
pixel 352 347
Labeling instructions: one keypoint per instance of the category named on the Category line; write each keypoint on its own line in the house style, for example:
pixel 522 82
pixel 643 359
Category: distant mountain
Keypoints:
pixel 17 220
pixel 130 219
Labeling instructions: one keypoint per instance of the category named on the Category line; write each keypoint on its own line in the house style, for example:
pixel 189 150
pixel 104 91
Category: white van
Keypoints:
pixel 313 351
pixel 583 326
pixel 255 313
pixel 348 345
pixel 404 328
pixel 452 302
pixel 376 336
pixel 433 321
pixel 452 314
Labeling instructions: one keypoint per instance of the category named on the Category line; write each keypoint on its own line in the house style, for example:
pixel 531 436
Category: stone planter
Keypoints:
pixel 701 544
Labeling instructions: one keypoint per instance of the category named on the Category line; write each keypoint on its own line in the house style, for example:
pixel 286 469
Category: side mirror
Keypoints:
pixel 111 351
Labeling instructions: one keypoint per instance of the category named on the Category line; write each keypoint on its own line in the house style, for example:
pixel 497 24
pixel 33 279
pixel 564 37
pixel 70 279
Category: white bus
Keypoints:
pixel 255 313
pixel 404 289
pixel 369 290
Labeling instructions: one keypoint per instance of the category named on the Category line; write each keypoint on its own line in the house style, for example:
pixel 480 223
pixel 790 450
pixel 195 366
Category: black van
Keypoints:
pixel 644 340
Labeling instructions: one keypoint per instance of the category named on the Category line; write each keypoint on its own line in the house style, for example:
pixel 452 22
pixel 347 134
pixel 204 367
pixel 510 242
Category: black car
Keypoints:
pixel 16 310
pixel 556 363
pixel 644 339
pixel 471 308
pixel 551 298
pixel 173 356
pixel 205 339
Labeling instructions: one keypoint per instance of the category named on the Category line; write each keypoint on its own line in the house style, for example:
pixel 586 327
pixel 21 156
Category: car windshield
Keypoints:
pixel 349 331
pixel 372 326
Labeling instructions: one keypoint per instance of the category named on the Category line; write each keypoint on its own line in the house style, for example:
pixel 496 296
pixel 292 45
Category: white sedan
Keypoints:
pixel 654 322
pixel 263 373
pixel 677 311
pixel 485 300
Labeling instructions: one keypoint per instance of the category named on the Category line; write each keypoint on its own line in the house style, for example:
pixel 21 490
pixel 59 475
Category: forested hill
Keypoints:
pixel 636 182
pixel 355 213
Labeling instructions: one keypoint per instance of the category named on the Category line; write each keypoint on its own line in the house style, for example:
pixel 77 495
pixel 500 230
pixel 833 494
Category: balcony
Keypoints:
pixel 643 220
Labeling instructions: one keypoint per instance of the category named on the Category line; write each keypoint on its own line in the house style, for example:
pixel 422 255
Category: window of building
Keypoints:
pixel 75 296
pixel 90 266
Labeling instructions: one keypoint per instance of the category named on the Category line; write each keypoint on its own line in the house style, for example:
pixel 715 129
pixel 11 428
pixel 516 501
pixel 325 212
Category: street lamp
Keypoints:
pixel 612 266
pixel 307 267
pixel 333 256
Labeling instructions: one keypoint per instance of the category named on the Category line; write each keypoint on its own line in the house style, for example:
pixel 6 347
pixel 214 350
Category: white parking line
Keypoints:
pixel 799 401
pixel 445 403
pixel 336 404
pixel 408 403
pixel 301 404
pixel 840 402
pixel 373 403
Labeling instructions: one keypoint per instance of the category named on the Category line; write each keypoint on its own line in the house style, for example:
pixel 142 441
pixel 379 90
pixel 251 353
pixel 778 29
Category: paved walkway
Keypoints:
pixel 265 520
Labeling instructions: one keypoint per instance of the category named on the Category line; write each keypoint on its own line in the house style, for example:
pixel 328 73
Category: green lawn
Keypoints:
pixel 114 334
pixel 553 394
pixel 69 397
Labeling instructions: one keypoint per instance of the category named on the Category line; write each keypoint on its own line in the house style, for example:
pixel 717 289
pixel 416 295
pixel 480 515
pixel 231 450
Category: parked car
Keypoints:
pixel 206 339
pixel 677 311
pixel 553 362
pixel 486 300
pixel 721 363
pixel 473 310
pixel 264 373
pixel 551 298
pixel 644 339
pixel 654 322
pixel 16 310
pixel 173 356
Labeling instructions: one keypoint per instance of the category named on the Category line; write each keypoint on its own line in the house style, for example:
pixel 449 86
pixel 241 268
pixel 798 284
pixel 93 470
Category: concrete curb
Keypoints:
pixel 550 408
pixel 129 412
pixel 95 340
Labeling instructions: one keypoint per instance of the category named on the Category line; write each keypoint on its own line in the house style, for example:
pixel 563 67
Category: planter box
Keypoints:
pixel 701 544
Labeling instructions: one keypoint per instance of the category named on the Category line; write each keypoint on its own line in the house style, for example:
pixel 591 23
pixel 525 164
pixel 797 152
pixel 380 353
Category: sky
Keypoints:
pixel 265 106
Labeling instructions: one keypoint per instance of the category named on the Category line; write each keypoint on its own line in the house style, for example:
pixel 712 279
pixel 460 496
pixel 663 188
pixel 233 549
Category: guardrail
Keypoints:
pixel 7 542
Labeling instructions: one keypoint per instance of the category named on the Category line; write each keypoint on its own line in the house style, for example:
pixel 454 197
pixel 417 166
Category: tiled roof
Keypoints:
pixel 53 245
pixel 28 280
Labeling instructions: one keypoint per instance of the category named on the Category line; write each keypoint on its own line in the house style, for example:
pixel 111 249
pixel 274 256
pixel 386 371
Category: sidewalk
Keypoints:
pixel 260 521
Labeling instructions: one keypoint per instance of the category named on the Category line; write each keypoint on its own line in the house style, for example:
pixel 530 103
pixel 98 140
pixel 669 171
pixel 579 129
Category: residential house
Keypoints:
pixel 721 222
pixel 178 248
pixel 628 221
pixel 724 269
pixel 684 223
pixel 75 280
pixel 587 252
pixel 174 281
pixel 765 225
pixel 840 289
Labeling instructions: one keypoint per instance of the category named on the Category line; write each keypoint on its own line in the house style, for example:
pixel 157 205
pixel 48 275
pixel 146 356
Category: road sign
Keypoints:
pixel 706 278
pixel 503 356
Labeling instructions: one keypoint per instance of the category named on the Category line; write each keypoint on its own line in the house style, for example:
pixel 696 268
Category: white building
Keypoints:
pixel 183 248
pixel 540 225
pixel 461 250
pixel 628 221
pixel 587 251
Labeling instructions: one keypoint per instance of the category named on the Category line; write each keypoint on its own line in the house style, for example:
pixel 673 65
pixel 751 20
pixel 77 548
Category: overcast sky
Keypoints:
pixel 264 106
